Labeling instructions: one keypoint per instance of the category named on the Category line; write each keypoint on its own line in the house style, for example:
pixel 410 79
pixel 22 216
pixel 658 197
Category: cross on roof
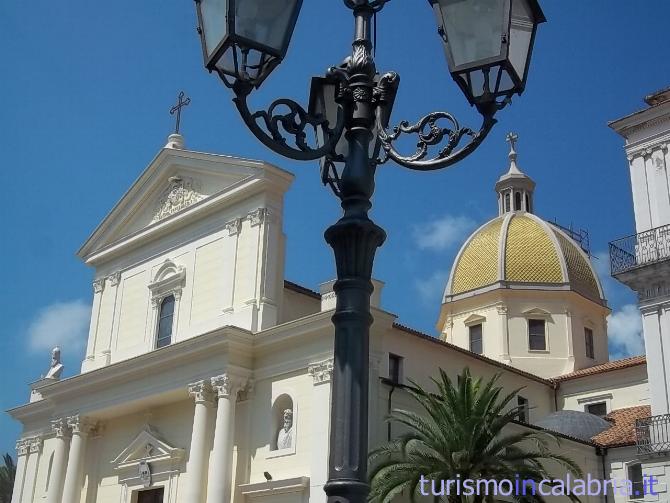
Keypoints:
pixel 181 103
pixel 512 138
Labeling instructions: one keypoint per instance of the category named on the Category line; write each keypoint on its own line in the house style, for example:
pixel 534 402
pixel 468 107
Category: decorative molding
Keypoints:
pixel 234 227
pixel 226 385
pixel 22 446
pixel 258 216
pixel 321 372
pixel 35 445
pixel 181 193
pixel 60 428
pixel 148 446
pixel 502 310
pixel 169 280
pixel 98 285
pixel 115 278
pixel 80 425
pixel 201 392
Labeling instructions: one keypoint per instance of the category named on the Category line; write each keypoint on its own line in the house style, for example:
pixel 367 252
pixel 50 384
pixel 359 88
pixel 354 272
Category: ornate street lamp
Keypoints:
pixel 488 44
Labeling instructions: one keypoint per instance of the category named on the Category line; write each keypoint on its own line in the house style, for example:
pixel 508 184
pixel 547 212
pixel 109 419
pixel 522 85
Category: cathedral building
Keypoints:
pixel 207 374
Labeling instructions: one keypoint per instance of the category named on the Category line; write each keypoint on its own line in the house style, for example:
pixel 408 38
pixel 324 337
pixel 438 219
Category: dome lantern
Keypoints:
pixel 514 188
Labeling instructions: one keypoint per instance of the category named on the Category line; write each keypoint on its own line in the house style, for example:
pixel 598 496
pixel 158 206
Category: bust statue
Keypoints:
pixel 56 368
pixel 285 436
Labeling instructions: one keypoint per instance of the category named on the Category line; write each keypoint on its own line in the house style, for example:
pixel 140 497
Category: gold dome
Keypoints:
pixel 519 248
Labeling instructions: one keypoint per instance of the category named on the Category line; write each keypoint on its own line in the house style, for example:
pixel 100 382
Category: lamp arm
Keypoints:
pixel 430 134
pixel 287 115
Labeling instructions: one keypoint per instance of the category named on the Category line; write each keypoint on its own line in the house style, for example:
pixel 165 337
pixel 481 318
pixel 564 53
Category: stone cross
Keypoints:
pixel 182 101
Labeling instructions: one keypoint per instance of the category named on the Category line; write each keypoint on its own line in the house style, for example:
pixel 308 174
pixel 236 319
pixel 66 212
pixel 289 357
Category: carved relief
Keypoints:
pixel 22 447
pixel 257 217
pixel 201 392
pixel 234 226
pixel 80 425
pixel 115 278
pixel 99 285
pixel 181 193
pixel 321 372
pixel 60 428
pixel 35 445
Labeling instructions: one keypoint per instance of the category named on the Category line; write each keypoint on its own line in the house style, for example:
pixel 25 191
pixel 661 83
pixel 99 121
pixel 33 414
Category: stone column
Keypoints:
pixel 62 440
pixel 30 476
pixel 322 373
pixel 22 447
pixel 74 475
pixel 196 467
pixel 226 387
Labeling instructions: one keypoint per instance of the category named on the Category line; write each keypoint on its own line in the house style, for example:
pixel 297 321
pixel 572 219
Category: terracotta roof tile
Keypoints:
pixel 622 432
pixel 605 367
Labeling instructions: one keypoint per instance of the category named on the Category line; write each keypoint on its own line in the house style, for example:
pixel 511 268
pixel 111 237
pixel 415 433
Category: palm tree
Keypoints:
pixel 7 474
pixel 459 434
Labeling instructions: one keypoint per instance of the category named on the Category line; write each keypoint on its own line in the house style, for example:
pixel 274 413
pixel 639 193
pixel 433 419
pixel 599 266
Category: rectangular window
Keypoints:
pixel 588 342
pixel 537 339
pixel 597 409
pixel 522 404
pixel 476 345
pixel 395 368
pixel 150 496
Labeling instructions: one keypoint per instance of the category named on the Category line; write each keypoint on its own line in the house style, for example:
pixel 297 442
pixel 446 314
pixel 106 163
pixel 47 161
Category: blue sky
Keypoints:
pixel 85 89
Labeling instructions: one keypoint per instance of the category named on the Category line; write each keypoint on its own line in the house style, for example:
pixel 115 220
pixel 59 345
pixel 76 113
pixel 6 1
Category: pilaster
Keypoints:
pixel 322 375
pixel 22 450
pixel 62 435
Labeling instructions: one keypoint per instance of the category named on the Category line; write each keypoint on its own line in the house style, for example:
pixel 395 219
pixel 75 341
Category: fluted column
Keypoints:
pixel 62 440
pixel 226 387
pixel 196 468
pixel 30 477
pixel 74 475
pixel 22 447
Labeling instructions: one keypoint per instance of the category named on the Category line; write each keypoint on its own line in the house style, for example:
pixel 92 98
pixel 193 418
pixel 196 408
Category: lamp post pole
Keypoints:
pixel 244 40
pixel 354 239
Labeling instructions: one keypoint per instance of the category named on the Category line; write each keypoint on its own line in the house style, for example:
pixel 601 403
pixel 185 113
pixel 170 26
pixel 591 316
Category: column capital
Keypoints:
pixel 114 278
pixel 321 372
pixel 98 285
pixel 61 428
pixel 80 425
pixel 234 226
pixel 35 445
pixel 227 385
pixel 201 392
pixel 22 446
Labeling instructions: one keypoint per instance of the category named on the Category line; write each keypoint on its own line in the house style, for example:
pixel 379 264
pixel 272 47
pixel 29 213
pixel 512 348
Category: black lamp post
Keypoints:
pixel 488 44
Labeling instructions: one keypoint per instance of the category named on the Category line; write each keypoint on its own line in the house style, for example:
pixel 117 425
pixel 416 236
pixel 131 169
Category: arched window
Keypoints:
pixel 165 321
pixel 507 202
pixel 517 201
pixel 528 208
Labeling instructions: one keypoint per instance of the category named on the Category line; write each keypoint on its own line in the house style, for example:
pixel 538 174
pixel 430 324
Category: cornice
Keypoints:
pixel 217 341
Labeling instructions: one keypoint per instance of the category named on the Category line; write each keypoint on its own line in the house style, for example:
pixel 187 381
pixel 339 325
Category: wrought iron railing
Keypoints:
pixel 640 249
pixel 652 434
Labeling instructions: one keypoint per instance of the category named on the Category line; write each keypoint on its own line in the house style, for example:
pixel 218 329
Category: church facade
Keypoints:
pixel 207 374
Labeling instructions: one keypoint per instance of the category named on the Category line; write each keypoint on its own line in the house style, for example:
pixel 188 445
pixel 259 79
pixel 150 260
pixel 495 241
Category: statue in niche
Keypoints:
pixel 57 367
pixel 285 436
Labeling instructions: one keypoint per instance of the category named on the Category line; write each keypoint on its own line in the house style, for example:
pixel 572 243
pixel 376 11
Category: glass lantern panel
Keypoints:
pixel 474 29
pixel 214 26
pixel 266 22
pixel 521 35
pixel 243 64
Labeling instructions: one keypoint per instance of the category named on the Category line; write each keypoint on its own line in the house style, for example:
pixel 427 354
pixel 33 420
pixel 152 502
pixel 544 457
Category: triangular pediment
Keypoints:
pixel 147 446
pixel 474 319
pixel 537 312
pixel 178 183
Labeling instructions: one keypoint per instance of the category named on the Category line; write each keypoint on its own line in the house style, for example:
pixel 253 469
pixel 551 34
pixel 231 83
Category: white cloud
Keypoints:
pixel 625 332
pixel 443 233
pixel 431 289
pixel 63 324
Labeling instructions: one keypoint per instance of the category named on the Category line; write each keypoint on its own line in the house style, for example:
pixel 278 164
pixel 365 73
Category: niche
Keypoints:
pixel 283 424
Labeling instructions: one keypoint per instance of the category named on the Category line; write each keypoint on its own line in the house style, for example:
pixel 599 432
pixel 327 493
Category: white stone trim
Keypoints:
pixel 321 372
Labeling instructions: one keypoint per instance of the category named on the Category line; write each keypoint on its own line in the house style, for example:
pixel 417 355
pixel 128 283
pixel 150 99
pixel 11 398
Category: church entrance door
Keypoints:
pixel 151 496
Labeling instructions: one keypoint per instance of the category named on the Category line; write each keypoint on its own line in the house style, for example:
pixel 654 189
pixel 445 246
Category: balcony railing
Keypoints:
pixel 652 434
pixel 640 249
